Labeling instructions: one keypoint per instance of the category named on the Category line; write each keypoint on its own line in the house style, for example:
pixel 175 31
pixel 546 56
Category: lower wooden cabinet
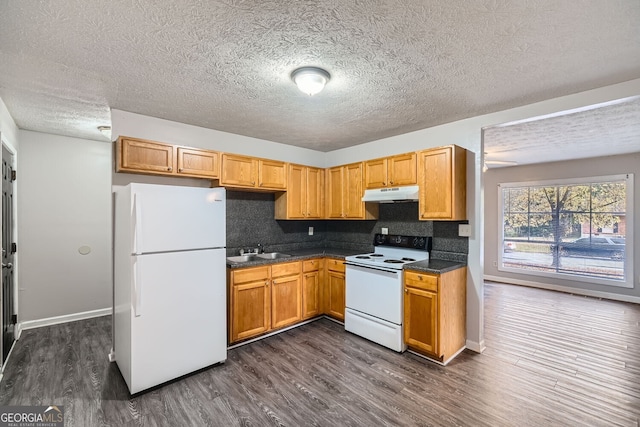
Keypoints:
pixel 335 288
pixel 435 312
pixel 250 303
pixel 263 298
pixel 311 280
pixel 286 294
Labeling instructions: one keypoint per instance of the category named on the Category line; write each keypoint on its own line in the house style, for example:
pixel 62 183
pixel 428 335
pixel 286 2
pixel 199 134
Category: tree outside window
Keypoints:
pixel 571 228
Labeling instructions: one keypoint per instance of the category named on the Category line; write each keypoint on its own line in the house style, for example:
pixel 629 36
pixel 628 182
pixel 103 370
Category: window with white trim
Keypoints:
pixel 575 229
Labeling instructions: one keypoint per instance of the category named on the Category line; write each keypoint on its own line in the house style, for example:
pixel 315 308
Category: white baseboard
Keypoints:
pixel 38 323
pixel 566 289
pixel 478 347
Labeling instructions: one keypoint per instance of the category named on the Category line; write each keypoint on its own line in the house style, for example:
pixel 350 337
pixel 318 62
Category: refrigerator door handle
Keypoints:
pixel 137 289
pixel 137 226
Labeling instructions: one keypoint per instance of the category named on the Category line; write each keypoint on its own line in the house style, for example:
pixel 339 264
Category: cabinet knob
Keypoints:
pixel 391 182
pixel 420 277
pixel 169 168
pixel 266 283
pixel 180 169
pixel 384 183
pixel 274 282
pixel 406 291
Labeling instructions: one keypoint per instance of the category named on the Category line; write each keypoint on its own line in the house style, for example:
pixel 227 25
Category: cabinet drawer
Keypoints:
pixel 285 269
pixel 310 265
pixel 428 282
pixel 335 265
pixel 252 274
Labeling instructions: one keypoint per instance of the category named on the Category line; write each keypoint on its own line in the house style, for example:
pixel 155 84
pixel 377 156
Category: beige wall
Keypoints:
pixel 63 204
pixel 613 165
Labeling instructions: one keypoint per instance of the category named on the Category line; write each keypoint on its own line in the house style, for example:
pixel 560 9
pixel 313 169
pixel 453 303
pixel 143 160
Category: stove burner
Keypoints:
pixel 376 255
pixel 408 259
pixel 393 261
pixel 363 257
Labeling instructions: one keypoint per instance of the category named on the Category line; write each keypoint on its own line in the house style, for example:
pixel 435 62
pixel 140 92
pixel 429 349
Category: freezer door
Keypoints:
pixel 172 218
pixel 178 322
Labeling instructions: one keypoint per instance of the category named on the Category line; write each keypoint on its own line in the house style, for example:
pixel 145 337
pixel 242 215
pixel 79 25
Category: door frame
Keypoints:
pixel 6 144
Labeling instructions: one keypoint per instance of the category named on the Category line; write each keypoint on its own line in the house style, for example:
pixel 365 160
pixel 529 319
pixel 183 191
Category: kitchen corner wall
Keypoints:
pixel 250 220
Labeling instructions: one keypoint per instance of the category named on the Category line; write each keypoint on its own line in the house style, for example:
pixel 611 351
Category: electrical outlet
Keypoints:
pixel 495 263
pixel 310 231
pixel 384 230
pixel 464 230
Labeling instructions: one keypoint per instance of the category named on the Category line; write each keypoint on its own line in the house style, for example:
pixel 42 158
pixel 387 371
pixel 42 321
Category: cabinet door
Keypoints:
pixel 336 297
pixel 310 294
pixel 286 304
pixel 402 169
pixel 250 309
pixel 196 162
pixel 314 189
pixel 442 178
pixel 334 193
pixel 272 174
pixel 238 171
pixel 375 173
pixel 295 197
pixel 421 319
pixel 352 191
pixel 146 156
pixel 435 191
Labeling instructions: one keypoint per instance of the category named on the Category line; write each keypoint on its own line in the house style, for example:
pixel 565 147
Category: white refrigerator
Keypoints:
pixel 169 311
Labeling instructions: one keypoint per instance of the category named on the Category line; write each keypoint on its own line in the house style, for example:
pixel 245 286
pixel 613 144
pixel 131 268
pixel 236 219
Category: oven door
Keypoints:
pixel 374 291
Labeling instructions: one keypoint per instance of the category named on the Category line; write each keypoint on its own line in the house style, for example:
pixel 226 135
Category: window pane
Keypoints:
pixel 575 229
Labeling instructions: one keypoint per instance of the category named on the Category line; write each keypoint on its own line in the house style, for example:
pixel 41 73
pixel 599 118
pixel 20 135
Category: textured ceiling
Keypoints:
pixel 602 130
pixel 396 66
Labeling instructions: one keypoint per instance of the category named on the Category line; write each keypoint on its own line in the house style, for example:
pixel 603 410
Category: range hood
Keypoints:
pixel 392 194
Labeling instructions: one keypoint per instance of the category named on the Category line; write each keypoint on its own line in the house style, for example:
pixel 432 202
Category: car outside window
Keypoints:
pixel 577 229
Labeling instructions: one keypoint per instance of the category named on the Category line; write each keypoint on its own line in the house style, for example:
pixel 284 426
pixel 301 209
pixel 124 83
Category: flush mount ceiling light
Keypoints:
pixel 310 80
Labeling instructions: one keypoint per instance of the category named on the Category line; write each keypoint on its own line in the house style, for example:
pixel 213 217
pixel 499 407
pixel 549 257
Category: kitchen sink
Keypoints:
pixel 273 255
pixel 241 258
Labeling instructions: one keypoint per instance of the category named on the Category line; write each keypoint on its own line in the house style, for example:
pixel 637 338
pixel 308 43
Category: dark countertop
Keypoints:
pixel 297 255
pixel 436 266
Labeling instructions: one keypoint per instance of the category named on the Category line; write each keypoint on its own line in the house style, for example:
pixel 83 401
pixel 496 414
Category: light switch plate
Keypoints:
pixel 384 230
pixel 310 231
pixel 464 230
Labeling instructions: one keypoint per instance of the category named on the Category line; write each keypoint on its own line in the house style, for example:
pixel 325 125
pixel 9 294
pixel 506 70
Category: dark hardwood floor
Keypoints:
pixel 552 359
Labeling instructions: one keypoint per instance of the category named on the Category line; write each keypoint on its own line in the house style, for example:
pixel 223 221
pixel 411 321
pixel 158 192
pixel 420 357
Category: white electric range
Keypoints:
pixel 374 282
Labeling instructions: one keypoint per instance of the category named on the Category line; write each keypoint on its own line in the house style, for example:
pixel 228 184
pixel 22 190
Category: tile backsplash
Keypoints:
pixel 250 220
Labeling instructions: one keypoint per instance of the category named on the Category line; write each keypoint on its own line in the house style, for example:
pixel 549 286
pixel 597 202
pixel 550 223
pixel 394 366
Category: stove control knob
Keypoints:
pixel 398 239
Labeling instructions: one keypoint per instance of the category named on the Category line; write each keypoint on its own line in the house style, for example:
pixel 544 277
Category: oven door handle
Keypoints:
pixel 372 268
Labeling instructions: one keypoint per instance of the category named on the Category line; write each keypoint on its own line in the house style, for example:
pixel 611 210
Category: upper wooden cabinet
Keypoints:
pixel 303 198
pixel 157 158
pixel 443 183
pixel 391 171
pixel 344 194
pixel 196 162
pixel 250 172
pixel 139 155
